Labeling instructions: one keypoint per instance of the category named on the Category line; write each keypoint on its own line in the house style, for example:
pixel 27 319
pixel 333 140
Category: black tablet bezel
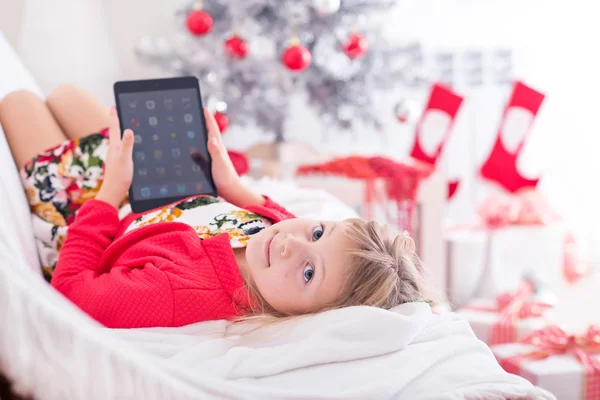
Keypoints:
pixel 186 82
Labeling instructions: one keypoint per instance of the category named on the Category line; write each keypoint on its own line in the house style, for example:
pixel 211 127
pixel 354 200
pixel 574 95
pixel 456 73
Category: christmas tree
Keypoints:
pixel 252 55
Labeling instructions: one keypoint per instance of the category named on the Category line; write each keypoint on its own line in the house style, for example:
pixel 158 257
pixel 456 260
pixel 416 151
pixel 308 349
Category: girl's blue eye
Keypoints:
pixel 309 272
pixel 317 233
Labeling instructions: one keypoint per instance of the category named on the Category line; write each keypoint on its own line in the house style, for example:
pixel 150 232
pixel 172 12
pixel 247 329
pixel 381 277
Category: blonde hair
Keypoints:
pixel 384 272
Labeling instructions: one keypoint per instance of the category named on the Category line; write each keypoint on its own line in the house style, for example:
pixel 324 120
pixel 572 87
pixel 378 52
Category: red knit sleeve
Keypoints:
pixel 271 210
pixel 116 296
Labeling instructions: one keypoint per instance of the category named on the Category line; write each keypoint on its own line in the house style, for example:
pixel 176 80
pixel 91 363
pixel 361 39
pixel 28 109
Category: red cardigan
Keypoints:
pixel 156 275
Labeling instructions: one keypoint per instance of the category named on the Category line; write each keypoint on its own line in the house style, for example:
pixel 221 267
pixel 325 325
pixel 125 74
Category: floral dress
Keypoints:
pixel 58 181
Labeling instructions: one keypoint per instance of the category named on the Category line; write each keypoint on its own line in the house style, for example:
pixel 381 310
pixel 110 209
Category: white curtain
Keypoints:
pixel 68 41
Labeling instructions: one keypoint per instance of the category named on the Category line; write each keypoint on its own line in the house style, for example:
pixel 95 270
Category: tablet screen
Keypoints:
pixel 169 128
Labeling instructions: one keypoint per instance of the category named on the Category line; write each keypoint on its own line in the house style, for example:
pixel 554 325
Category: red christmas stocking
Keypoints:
pixel 434 127
pixel 501 165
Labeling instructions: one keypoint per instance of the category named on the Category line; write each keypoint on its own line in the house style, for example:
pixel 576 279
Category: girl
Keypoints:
pixel 200 259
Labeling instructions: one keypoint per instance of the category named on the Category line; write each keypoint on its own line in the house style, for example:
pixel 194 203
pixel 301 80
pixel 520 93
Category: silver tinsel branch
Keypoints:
pixel 257 89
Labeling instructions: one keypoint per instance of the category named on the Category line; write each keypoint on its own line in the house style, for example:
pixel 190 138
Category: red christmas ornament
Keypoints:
pixel 356 45
pixel 236 47
pixel 296 57
pixel 222 121
pixel 199 22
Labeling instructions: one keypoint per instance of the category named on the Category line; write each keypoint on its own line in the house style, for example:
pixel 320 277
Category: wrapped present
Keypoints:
pixel 513 234
pixel 566 365
pixel 509 317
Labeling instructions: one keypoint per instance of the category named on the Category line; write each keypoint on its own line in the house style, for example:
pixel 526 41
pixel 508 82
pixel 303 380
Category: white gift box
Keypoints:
pixel 562 375
pixel 484 263
pixel 482 321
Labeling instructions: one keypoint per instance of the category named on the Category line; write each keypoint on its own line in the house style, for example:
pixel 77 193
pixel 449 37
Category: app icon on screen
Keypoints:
pixel 168 104
pixel 185 102
pixel 171 119
pixel 160 171
pixel 137 139
pixel 140 155
pixel 173 135
pixel 191 135
pixel 135 123
pixel 188 118
pixel 145 192
pixel 181 188
pixel 153 121
pixel 176 152
pixel 150 104
pixel 158 154
pixel 164 190
pixel 142 172
pixel 199 187
pixel 133 104
pixel 155 137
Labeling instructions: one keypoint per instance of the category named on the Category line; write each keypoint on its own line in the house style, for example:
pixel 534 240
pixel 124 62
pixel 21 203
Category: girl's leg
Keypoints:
pixel 77 111
pixel 28 125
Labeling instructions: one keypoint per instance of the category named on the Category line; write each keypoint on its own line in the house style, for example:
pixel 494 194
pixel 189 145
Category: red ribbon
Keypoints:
pixel 511 307
pixel 555 341
pixel 401 181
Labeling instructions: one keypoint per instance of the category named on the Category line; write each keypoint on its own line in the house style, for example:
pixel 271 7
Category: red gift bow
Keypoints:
pixel 554 341
pixel 512 307
pixel 401 181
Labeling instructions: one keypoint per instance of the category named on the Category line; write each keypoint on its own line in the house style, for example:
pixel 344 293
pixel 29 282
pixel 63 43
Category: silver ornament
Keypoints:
pixel 221 107
pixel 326 7
pixel 407 111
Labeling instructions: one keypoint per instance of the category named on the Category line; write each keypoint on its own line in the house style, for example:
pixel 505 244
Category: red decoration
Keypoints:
pixel 356 45
pixel 296 57
pixel 222 121
pixel 441 100
pixel 512 307
pixel 553 341
pixel 501 165
pixel 236 47
pixel 199 22
pixel 401 181
pixel 452 188
pixel 240 162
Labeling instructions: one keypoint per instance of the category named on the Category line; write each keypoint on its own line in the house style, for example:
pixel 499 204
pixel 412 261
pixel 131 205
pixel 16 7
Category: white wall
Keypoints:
pixel 556 40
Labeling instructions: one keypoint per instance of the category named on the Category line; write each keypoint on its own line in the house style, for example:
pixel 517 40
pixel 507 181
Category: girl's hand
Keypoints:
pixel 118 167
pixel 228 182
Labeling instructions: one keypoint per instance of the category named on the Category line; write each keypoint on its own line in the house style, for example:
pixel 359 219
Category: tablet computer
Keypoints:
pixel 170 154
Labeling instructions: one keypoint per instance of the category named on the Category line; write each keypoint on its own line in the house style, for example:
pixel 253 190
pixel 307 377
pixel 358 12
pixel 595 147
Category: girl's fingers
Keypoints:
pixel 127 146
pixel 114 131
pixel 211 124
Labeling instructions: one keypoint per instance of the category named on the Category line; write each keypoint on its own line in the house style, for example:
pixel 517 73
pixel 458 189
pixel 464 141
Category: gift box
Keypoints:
pixel 568 366
pixel 511 316
pixel 513 235
pixel 483 264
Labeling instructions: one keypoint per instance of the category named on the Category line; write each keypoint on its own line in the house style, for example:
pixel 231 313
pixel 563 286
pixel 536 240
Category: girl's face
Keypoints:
pixel 298 264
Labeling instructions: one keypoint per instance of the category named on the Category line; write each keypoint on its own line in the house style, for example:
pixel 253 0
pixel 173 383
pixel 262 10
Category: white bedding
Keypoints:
pixel 52 351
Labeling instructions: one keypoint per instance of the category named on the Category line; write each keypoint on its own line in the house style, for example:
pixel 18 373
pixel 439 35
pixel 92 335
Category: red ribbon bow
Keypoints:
pixel 512 307
pixel 554 341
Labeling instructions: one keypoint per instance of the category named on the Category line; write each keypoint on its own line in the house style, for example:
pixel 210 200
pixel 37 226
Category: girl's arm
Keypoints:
pixel 227 180
pixel 116 296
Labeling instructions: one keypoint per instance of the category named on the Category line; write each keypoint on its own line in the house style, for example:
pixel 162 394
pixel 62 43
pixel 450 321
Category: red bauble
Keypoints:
pixel 296 57
pixel 356 45
pixel 236 47
pixel 222 121
pixel 199 22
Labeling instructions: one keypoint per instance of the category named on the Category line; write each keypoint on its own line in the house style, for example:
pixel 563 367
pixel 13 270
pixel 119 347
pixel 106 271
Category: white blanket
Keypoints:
pixel 353 353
